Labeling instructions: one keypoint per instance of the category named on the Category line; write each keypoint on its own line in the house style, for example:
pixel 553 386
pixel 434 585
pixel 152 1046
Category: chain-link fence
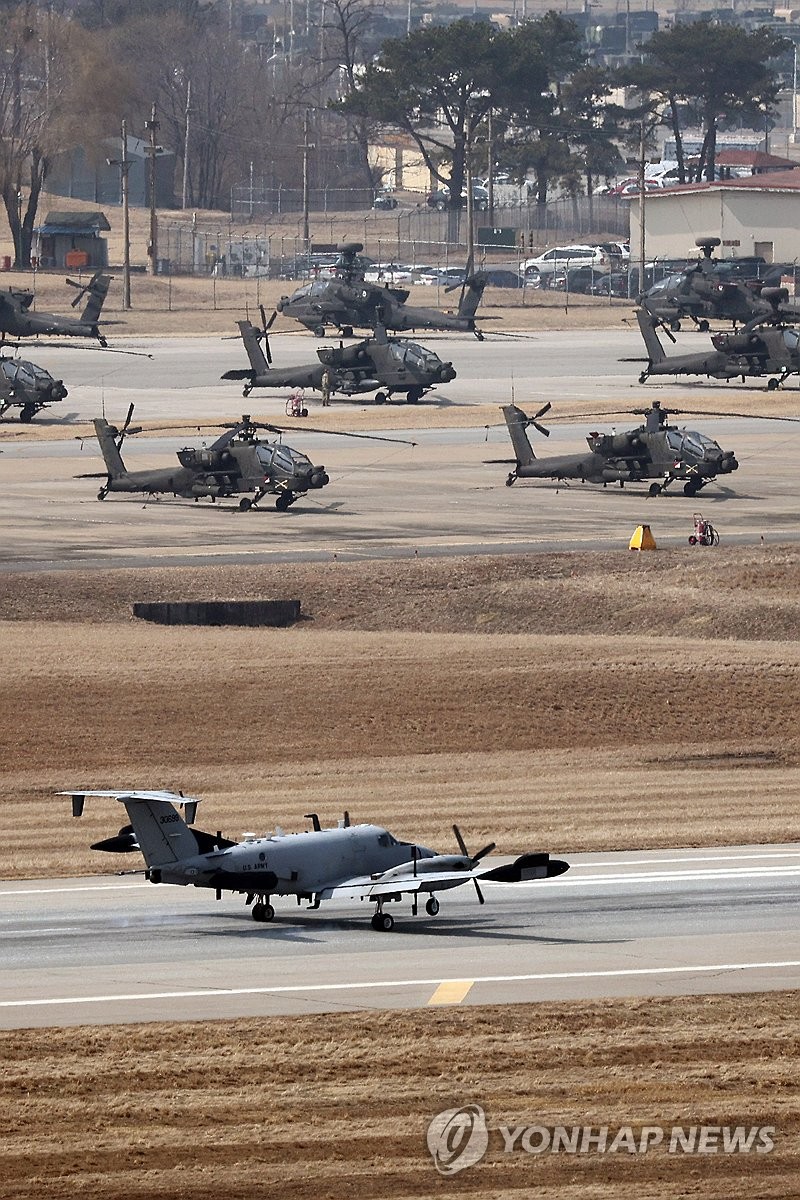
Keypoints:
pixel 411 234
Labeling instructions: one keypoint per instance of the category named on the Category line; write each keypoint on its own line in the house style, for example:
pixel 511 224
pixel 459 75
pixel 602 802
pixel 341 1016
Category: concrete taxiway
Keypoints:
pixel 440 497
pixel 653 923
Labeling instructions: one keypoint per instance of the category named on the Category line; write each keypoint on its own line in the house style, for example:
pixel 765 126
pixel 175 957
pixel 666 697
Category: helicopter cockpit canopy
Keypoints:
pixel 684 441
pixel 282 458
pixel 26 373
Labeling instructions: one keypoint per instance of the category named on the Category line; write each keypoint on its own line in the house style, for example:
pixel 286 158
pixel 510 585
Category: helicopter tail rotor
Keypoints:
pixel 534 420
pixel 122 433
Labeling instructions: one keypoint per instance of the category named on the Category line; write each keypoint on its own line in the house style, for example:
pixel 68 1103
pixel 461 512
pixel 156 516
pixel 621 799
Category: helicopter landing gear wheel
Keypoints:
pixel 655 489
pixel 284 501
pixel 691 488
pixel 703 326
pixel 675 326
pixel 643 377
pixel 245 504
pixel 380 397
pixel 27 413
pixel 383 922
pixel 262 910
pixel 432 906
pixel 511 480
pixel 101 495
pixel 347 331
pixel 414 395
pixel 773 385
pixel 319 331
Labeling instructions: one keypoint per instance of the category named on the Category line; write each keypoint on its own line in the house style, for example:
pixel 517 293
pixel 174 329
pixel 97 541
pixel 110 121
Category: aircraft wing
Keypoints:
pixel 396 882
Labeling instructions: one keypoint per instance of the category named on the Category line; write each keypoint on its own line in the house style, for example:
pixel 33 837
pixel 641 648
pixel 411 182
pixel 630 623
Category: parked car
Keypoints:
pixel 502 277
pixel 630 187
pixel 538 271
pixel 440 199
pixel 384 200
pixel 578 279
pixel 389 273
pixel 615 283
pixel 617 250
pixel 441 276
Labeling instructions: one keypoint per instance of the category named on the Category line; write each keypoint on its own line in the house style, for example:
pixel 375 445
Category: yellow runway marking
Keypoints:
pixel 452 992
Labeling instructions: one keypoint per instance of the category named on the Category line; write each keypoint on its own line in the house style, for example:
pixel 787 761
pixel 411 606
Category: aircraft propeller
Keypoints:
pixel 474 859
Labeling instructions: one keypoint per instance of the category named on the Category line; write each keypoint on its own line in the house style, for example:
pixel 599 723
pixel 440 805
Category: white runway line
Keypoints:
pixel 628 972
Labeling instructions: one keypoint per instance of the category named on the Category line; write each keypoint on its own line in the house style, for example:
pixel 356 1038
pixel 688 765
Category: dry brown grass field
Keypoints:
pixel 320 1109
pixel 527 697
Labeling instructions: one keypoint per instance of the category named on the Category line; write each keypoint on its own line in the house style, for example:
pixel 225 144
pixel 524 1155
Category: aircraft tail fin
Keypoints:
pixel 471 296
pixel 107 437
pixel 97 290
pixel 252 345
pixel 160 831
pixel 647 325
pixel 517 422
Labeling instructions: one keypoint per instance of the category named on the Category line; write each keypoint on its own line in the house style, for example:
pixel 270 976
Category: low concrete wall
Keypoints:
pixel 219 612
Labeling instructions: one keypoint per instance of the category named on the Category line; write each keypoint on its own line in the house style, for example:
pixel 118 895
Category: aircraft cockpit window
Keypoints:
pixel 264 454
pixel 791 339
pixel 10 370
pixel 674 439
pixel 283 458
pixel 698 443
pixel 386 839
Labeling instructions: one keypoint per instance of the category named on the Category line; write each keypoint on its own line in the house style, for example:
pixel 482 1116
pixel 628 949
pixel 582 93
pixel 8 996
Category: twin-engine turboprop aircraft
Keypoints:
pixel 358 862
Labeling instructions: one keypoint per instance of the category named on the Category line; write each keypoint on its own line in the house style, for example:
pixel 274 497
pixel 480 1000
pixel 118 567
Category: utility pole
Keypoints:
pixel 490 165
pixel 152 247
pixel 306 147
pixel 642 194
pixel 124 165
pixel 187 111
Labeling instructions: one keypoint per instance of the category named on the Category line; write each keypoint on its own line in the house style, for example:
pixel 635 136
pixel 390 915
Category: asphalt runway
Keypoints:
pixel 115 949
pixel 441 497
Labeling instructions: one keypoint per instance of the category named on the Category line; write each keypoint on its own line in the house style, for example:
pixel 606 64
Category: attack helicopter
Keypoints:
pixel 350 862
pixel 765 346
pixel 655 450
pixel 391 365
pixel 348 301
pixel 16 319
pixel 707 290
pixel 238 461
pixel 25 386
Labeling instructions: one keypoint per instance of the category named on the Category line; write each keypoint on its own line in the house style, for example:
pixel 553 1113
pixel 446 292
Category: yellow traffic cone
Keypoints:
pixel 642 539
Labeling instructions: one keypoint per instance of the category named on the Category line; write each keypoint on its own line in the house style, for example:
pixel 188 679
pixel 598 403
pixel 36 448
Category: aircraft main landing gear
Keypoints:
pixel 262 910
pixel 382 922
pixel 432 906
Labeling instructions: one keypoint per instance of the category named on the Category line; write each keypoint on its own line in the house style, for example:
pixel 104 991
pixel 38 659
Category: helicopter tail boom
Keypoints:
pixel 517 421
pixel 655 351
pixel 106 436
